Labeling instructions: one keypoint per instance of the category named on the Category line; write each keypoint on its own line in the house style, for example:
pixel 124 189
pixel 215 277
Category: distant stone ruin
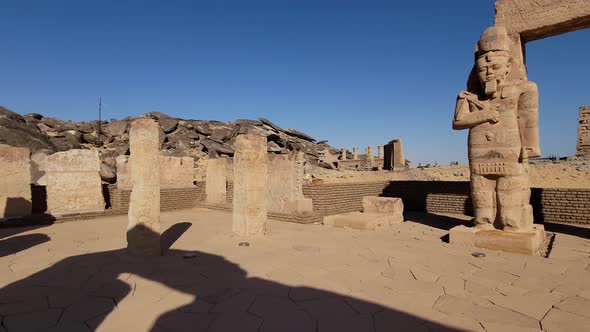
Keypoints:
pixel 583 144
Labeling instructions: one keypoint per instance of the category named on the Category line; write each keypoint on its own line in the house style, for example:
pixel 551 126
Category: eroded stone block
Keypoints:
pixel 143 229
pixel 15 182
pixel 384 205
pixel 73 182
pixel 462 235
pixel 250 186
pixel 362 221
pixel 175 172
pixel 527 243
pixel 216 181
pixel 285 184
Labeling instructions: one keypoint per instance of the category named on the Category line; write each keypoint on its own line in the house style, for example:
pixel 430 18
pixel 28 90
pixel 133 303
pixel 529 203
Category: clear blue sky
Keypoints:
pixel 356 73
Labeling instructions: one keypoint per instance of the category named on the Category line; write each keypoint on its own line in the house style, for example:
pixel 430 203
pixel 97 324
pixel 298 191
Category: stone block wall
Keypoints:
pixel 73 182
pixel 342 197
pixel 360 164
pixel 15 179
pixel 583 144
pixel 175 172
pixel 536 19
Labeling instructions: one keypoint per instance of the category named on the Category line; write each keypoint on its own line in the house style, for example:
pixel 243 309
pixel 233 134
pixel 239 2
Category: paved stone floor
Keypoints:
pixel 76 276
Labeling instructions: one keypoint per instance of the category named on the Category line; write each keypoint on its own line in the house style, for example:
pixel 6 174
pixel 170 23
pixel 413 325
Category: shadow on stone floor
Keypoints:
pixel 569 229
pixel 436 220
pixel 15 244
pixel 204 293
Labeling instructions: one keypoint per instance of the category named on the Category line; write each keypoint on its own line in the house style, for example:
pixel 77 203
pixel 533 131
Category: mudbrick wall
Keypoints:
pixel 170 199
pixel 549 205
pixel 342 197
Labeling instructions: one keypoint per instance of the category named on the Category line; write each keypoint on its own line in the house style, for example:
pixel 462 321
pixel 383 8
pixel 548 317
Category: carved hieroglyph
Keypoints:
pixel 502 118
pixel 250 186
pixel 216 181
pixel 73 182
pixel 143 229
pixel 15 182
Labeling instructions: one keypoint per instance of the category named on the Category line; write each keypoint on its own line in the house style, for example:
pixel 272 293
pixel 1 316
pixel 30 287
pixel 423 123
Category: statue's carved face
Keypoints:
pixel 492 70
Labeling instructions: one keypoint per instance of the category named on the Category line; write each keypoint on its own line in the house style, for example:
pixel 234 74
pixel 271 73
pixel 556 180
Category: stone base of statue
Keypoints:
pixel 527 243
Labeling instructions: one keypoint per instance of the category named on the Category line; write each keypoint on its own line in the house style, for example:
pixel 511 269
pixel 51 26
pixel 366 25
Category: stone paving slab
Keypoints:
pixel 77 276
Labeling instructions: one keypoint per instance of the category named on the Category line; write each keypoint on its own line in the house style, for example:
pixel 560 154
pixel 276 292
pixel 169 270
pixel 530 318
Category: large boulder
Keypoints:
pixel 85 127
pixel 168 124
pixel 116 127
pixel 182 137
pixel 14 131
pixel 247 122
pixel 270 124
pixel 108 173
pixel 222 132
pixel 8 114
pixel 299 134
pixel 218 148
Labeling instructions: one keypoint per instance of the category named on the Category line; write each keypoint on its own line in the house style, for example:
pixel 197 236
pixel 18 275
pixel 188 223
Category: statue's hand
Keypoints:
pixel 491 115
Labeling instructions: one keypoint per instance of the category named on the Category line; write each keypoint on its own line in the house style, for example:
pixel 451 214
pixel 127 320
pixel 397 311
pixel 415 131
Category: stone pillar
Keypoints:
pixel 355 153
pixel 583 145
pixel 143 229
pixel 393 155
pixel 73 182
pixel 15 182
pixel 380 151
pixel 370 157
pixel 250 185
pixel 216 181
pixel 344 154
pixel 399 160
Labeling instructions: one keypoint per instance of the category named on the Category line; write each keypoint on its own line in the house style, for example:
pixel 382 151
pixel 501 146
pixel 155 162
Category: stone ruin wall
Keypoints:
pixel 175 172
pixel 529 20
pixel 285 184
pixel 537 19
pixel 361 164
pixel 73 182
pixel 583 143
pixel 15 179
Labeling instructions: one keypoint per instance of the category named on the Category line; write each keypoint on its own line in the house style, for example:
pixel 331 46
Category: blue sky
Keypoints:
pixel 356 73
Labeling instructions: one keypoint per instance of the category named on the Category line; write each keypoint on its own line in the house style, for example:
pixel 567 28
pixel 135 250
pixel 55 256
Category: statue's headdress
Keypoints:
pixel 493 39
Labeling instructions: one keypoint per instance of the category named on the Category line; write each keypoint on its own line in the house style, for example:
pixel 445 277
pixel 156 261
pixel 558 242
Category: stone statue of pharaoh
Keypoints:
pixel 502 118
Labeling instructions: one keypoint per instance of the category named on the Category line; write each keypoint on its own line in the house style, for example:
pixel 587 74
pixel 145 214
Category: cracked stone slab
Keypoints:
pixel 563 321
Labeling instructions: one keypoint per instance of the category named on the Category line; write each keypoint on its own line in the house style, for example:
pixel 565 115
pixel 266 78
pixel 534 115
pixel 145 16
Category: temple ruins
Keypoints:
pixel 248 226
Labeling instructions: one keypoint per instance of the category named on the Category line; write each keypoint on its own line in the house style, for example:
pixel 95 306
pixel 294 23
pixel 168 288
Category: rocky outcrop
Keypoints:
pixel 178 137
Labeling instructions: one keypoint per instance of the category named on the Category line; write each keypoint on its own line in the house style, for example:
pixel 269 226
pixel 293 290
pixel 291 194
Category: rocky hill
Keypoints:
pixel 200 139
